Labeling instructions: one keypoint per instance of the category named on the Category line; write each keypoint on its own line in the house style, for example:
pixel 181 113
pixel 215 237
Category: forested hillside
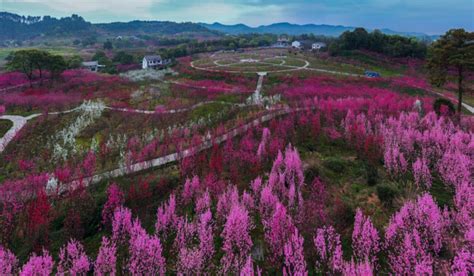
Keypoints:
pixel 17 27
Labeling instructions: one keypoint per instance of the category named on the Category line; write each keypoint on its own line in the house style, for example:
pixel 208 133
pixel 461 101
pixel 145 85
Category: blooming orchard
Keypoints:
pixel 269 198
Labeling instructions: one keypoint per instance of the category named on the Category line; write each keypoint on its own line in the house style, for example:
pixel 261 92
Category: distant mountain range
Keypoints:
pixel 296 29
pixel 18 27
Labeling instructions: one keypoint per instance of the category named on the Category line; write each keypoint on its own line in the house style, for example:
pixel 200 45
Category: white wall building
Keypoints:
pixel 296 44
pixel 318 45
pixel 152 61
pixel 92 66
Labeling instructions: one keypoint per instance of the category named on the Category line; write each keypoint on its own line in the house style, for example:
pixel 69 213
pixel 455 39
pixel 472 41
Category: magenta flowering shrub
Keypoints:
pixel 286 177
pixel 464 204
pixel 166 218
pixel 411 256
pixel 226 201
pixel 12 79
pixel 121 224
pixel 295 263
pixel 278 230
pixel 195 245
pixel 262 147
pixel 248 268
pixel 115 199
pixel 191 188
pixel 105 263
pixel 365 239
pixel 203 203
pixel 267 204
pixel 237 241
pixel 421 173
pixel 146 253
pixel 395 161
pixel 422 215
pixel 38 265
pixel 328 250
pixel 8 262
pixel 73 259
pixel 352 268
pixel 463 263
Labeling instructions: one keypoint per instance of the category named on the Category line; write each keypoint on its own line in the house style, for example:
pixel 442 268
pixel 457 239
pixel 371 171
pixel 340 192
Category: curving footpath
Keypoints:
pixel 18 123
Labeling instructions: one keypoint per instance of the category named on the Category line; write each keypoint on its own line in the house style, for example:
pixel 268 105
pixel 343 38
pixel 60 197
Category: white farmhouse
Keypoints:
pixel 296 44
pixel 152 61
pixel 92 66
pixel 318 46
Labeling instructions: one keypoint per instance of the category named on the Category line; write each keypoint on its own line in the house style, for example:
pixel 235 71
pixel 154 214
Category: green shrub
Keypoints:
pixel 372 174
pixel 386 193
pixel 334 164
pixel 438 103
pixel 310 174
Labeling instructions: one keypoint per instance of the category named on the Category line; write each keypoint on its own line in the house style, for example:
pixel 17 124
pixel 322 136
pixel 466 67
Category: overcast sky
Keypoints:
pixel 428 16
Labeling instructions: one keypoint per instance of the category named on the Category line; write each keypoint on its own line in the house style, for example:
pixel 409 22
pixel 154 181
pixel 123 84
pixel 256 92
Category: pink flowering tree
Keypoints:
pixel 395 161
pixel 365 239
pixel 248 268
pixel 146 253
pixel 166 218
pixel 195 245
pixel 267 203
pixel 191 188
pixel 203 203
pixel 226 201
pixel 295 264
pixel 286 177
pixel 73 259
pixel 38 265
pixel 237 242
pixel 263 146
pixel 278 231
pixel 328 250
pixel 422 215
pixel 411 257
pixel 121 224
pixel 421 173
pixel 463 263
pixel 8 262
pixel 357 269
pixel 105 264
pixel 115 199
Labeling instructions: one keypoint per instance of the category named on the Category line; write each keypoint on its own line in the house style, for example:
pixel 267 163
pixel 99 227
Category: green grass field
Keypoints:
pixel 5 125
pixel 63 51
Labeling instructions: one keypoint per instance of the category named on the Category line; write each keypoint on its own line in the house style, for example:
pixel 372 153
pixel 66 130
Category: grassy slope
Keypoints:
pixel 5 125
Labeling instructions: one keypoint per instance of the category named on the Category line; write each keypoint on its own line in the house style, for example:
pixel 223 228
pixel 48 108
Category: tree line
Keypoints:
pixel 31 61
pixel 376 41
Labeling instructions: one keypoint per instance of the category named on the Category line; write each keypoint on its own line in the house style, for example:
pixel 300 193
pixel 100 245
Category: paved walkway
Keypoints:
pixel 18 123
pixel 176 156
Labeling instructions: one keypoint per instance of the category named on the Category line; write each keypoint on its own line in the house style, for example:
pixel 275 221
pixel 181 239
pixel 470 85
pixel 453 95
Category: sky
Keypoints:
pixel 427 16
